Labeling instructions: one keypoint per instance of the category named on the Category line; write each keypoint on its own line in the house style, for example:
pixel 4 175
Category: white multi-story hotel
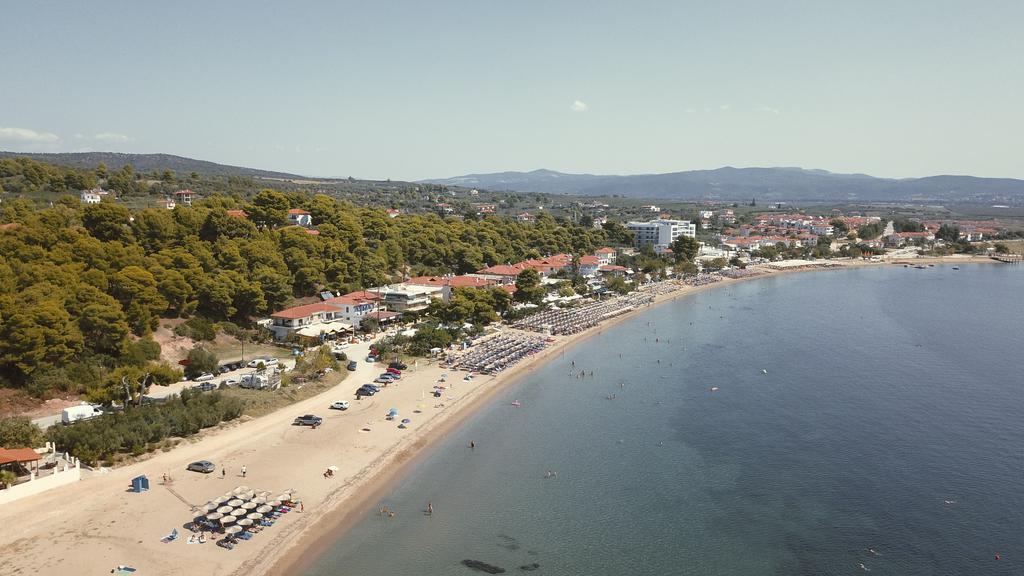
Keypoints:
pixel 660 233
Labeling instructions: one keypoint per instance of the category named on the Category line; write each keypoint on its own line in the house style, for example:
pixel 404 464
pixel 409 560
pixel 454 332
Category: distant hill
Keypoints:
pixel 765 184
pixel 147 163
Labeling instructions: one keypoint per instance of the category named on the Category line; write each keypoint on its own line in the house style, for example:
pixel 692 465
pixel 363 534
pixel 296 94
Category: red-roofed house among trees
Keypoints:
pixel 300 217
pixel 185 197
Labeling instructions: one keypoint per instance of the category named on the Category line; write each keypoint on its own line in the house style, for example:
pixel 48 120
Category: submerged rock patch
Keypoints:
pixel 483 566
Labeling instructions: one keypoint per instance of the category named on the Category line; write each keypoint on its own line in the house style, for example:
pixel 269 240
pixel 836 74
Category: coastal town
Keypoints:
pixel 429 346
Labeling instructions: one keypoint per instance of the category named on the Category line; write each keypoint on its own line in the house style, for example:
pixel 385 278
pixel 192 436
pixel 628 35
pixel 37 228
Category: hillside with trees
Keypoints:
pixel 83 286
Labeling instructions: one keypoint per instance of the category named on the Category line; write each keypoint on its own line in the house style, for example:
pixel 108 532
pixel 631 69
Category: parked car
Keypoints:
pixel 382 380
pixel 352 365
pixel 229 382
pixel 267 362
pixel 364 391
pixel 206 386
pixel 224 369
pixel 391 375
pixel 372 386
pixel 398 365
pixel 308 420
pixel 340 405
pixel 204 466
pixel 204 377
pixel 371 358
pixel 394 371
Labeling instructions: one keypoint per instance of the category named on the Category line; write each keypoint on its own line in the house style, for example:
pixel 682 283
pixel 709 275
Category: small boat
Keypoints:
pixel 516 403
pixel 956 267
pixel 714 388
pixel 920 267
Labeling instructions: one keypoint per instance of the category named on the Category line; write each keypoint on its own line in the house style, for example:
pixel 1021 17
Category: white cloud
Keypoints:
pixel 578 106
pixel 26 136
pixel 770 110
pixel 111 137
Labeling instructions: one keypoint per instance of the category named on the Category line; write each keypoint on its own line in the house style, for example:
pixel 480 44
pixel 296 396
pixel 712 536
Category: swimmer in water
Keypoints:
pixel 864 568
pixel 873 552
pixel 949 502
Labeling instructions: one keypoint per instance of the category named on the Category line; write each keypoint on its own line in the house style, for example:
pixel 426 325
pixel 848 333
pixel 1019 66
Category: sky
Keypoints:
pixel 415 90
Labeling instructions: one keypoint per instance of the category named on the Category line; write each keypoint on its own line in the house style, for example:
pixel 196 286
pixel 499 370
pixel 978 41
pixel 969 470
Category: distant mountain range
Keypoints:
pixel 147 163
pixel 765 184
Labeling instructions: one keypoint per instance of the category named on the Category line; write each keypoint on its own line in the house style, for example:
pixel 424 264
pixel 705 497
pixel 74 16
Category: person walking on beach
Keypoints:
pixel 472 445
pixel 223 473
pixel 430 508
pixel 243 470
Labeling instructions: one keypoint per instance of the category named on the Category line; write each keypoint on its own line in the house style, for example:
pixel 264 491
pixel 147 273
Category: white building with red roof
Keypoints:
pixel 185 197
pixel 300 217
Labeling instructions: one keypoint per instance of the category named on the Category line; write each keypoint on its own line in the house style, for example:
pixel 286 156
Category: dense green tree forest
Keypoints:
pixel 81 286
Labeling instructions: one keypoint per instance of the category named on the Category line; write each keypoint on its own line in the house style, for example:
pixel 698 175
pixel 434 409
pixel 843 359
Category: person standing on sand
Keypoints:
pixel 223 472
pixel 472 445
pixel 243 470
pixel 430 508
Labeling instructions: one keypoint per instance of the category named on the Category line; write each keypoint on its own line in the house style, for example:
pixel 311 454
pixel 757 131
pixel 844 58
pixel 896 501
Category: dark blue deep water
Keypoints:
pixel 888 393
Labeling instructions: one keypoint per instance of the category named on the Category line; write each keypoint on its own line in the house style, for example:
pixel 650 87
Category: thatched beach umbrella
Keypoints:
pixel 225 509
pixel 220 499
pixel 228 519
pixel 260 500
pixel 233 529
pixel 254 516
pixel 214 516
pixel 241 489
pixel 239 512
pixel 274 503
pixel 245 522
pixel 265 509
pixel 236 502
pixel 249 505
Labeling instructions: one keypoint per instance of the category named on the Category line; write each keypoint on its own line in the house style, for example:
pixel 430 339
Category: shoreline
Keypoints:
pixel 296 558
pixel 279 456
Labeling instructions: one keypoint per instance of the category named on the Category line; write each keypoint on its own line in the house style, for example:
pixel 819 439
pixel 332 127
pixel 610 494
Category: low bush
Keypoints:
pixel 136 430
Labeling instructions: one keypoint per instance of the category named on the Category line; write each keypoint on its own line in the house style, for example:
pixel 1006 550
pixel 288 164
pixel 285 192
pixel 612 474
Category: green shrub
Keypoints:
pixel 138 430
pixel 196 328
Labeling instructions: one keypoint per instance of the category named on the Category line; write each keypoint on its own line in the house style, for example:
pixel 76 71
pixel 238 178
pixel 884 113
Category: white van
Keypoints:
pixel 80 412
pixel 254 381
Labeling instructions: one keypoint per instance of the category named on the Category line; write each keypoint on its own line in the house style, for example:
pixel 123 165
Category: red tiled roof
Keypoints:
pixel 297 211
pixel 503 270
pixel 304 311
pixel 8 455
pixel 612 268
pixel 238 213
pixel 453 281
pixel 589 260
pixel 363 294
pixel 605 250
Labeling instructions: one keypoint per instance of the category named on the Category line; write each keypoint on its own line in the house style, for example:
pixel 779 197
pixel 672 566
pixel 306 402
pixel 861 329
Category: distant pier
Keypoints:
pixel 1008 258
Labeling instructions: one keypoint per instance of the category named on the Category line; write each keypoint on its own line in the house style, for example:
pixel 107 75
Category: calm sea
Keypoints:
pixel 890 419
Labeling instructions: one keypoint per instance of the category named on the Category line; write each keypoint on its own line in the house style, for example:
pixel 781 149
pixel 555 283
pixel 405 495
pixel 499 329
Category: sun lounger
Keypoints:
pixel 170 537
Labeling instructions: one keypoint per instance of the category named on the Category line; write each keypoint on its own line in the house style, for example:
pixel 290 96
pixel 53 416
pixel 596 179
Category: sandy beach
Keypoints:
pixel 96 524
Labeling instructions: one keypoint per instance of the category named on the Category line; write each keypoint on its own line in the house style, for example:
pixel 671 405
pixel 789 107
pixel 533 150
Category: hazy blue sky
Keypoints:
pixel 412 90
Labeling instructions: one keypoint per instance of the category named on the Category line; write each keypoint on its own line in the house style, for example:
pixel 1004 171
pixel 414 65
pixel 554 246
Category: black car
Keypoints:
pixel 206 386
pixel 204 466
pixel 398 365
pixel 224 369
pixel 364 391
pixel 309 420
pixel 352 365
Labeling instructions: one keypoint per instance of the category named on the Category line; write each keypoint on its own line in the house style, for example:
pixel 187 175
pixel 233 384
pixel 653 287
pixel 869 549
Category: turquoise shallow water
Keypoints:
pixel 888 392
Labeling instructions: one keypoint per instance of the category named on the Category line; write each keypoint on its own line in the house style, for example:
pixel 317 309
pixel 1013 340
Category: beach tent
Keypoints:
pixel 140 484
